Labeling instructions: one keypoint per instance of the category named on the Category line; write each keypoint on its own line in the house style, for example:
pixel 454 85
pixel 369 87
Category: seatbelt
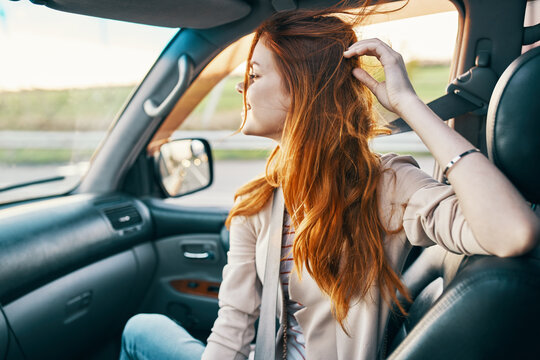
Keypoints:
pixel 265 346
pixel 468 92
pixel 446 107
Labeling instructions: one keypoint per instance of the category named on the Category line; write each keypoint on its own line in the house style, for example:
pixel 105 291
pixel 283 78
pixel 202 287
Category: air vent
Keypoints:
pixel 123 216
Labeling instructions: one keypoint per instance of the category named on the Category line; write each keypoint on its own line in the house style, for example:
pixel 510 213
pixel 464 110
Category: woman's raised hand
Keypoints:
pixel 396 91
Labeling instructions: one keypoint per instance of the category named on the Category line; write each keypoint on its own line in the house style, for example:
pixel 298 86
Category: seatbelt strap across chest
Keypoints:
pixel 265 346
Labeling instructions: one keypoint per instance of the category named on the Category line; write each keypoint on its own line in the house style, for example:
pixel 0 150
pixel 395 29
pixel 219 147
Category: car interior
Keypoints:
pixel 75 266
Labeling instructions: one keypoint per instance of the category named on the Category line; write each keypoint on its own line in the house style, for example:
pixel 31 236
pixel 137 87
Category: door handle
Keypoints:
pixel 199 250
pixel 198 256
pixel 185 72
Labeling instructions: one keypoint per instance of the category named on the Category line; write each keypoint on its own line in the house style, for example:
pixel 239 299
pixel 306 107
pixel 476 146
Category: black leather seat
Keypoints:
pixel 483 307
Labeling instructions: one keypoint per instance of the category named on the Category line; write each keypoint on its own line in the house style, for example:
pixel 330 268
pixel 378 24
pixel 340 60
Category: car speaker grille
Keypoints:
pixel 124 216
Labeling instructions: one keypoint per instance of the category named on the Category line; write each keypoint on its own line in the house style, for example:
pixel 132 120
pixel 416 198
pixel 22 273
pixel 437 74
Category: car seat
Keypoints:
pixel 482 307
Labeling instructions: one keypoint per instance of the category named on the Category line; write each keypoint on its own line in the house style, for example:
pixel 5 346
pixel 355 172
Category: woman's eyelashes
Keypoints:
pixel 253 76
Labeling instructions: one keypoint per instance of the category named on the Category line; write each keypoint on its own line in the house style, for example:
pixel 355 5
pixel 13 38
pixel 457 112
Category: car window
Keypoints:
pixel 63 79
pixel 532 17
pixel 427 45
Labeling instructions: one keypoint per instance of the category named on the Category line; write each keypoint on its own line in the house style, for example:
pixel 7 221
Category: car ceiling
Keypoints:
pixel 199 14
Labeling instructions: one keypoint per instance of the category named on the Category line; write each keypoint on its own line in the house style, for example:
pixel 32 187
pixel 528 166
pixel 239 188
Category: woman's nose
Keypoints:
pixel 240 87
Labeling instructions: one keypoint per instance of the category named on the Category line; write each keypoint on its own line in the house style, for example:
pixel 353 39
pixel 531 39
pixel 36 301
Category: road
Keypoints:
pixel 229 175
pixel 404 142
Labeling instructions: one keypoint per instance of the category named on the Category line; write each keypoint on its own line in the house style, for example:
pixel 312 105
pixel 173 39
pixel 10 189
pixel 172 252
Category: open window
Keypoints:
pixel 424 32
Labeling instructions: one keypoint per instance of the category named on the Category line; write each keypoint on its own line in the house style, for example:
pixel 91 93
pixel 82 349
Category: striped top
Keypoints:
pixel 296 349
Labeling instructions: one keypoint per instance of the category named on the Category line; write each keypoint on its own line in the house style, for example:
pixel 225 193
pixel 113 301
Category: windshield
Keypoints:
pixel 63 79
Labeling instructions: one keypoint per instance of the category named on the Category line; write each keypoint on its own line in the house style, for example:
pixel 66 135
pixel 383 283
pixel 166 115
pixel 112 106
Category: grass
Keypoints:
pixel 94 109
pixel 65 156
pixel 42 156
pixel 429 81
pixel 246 154
pixel 61 110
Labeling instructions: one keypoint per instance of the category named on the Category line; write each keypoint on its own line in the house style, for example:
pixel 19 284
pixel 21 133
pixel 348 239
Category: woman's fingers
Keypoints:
pixel 372 44
pixel 396 90
pixel 373 47
pixel 367 79
pixel 377 88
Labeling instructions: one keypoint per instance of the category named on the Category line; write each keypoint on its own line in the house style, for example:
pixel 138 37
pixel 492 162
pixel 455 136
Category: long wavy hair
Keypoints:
pixel 324 165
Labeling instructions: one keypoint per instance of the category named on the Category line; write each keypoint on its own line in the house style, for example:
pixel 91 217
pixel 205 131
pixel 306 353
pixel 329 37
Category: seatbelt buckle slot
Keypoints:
pixel 476 85
pixel 466 95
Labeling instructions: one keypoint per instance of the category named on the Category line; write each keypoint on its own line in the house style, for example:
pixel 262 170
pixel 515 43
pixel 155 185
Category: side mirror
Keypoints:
pixel 184 166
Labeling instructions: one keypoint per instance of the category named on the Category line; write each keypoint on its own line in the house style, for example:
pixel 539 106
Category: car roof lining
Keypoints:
pixel 200 14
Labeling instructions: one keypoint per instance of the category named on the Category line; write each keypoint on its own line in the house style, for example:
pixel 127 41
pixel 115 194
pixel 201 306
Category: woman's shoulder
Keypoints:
pixel 396 161
pixel 256 219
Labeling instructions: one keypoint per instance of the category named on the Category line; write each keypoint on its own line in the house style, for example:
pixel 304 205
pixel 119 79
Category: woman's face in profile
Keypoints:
pixel 267 100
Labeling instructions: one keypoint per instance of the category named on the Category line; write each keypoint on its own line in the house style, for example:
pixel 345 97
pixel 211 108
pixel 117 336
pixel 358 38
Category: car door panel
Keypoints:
pixel 82 265
pixel 192 253
pixel 43 240
pixel 63 319
pixel 172 219
pixel 72 271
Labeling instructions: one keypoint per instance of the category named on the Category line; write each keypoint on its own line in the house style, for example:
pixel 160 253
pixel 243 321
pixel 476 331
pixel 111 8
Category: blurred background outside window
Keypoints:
pixel 427 45
pixel 63 79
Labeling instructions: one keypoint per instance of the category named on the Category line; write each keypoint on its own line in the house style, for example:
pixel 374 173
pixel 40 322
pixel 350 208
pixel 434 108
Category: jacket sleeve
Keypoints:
pixel 239 296
pixel 432 214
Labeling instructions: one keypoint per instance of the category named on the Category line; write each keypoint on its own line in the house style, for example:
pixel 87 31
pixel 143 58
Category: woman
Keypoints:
pixel 350 215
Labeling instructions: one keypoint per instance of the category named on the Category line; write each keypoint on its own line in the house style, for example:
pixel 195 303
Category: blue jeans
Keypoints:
pixel 155 336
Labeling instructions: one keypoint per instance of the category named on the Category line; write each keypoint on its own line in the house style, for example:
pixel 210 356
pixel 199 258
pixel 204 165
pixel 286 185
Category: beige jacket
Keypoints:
pixel 430 215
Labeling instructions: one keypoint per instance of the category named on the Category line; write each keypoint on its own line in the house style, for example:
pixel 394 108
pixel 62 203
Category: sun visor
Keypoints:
pixel 195 14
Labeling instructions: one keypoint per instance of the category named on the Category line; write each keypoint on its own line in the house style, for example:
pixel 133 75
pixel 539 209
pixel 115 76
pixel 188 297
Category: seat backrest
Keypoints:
pixel 483 307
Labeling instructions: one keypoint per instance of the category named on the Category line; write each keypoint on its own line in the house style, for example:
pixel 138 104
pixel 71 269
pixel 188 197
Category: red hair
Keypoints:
pixel 324 165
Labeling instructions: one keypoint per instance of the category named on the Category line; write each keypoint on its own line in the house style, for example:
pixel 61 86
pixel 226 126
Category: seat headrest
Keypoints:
pixel 513 124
